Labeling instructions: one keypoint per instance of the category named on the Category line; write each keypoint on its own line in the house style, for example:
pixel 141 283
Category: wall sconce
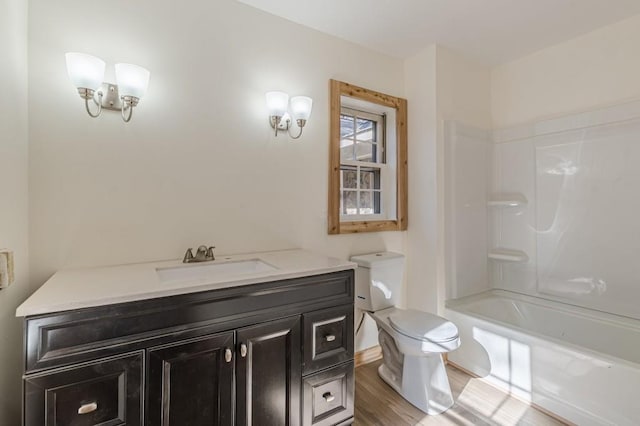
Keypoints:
pixel 87 74
pixel 279 118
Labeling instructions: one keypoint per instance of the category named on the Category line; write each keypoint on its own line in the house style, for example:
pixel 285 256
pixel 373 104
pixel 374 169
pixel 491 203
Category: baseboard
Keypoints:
pixel 368 355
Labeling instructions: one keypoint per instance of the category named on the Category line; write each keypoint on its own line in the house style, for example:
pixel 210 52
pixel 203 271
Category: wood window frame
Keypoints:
pixel 335 226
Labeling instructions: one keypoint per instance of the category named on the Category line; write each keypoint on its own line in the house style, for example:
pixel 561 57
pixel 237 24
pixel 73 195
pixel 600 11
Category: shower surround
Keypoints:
pixel 542 247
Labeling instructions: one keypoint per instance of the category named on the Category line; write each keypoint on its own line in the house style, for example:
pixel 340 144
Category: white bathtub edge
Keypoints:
pixel 595 396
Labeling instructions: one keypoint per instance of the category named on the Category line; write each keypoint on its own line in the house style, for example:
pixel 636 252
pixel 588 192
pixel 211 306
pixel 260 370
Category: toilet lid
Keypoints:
pixel 423 326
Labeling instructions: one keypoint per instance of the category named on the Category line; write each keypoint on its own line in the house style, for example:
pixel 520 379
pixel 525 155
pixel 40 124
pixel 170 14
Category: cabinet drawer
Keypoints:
pixel 328 337
pixel 328 396
pixel 106 393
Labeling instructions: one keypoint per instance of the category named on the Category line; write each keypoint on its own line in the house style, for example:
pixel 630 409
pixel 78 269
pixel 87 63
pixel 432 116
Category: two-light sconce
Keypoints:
pixel 279 118
pixel 87 74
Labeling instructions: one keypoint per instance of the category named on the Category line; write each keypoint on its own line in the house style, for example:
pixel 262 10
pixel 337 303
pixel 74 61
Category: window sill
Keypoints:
pixel 365 218
pixel 368 226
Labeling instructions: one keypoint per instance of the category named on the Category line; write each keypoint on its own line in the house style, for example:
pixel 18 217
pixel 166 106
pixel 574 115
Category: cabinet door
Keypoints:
pixel 191 383
pixel 269 374
pixel 105 393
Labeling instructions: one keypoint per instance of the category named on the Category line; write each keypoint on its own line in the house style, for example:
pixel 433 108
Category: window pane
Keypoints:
pixel 370 202
pixel 367 152
pixel 346 125
pixel 346 150
pixel 349 178
pixel 349 202
pixel 369 178
pixel 366 130
pixel 366 203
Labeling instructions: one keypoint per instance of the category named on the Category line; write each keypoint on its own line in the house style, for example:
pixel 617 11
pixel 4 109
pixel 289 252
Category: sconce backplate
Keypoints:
pixel 110 97
pixel 284 124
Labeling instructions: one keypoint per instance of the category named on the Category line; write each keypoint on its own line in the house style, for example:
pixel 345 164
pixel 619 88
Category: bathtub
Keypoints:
pixel 580 364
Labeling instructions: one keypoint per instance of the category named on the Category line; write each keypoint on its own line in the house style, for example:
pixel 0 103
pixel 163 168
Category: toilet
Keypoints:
pixel 412 341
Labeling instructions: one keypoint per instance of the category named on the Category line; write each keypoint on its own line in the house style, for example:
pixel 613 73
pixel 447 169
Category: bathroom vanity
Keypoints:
pixel 166 344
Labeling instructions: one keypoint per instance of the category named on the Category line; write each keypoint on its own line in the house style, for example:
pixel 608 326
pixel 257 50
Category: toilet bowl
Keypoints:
pixel 412 341
pixel 412 344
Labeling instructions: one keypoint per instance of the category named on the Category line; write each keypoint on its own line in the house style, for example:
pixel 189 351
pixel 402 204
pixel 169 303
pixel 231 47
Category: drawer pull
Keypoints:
pixel 88 408
pixel 243 350
pixel 330 338
pixel 328 397
pixel 228 355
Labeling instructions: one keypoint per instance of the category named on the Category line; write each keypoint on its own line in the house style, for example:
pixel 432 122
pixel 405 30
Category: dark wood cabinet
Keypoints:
pixel 108 393
pixel 329 396
pixel 269 374
pixel 235 356
pixel 191 383
pixel 328 338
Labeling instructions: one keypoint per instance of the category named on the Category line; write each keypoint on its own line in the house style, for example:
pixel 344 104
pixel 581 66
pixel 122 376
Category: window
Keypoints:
pixel 368 170
pixel 362 160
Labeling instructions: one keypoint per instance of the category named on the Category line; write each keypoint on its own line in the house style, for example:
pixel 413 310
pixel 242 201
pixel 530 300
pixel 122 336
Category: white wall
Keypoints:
pixel 198 163
pixel 441 86
pixel 596 69
pixel 464 89
pixel 422 235
pixel 13 204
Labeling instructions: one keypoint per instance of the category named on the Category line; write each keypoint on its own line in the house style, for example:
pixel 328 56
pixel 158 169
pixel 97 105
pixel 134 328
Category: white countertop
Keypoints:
pixel 83 288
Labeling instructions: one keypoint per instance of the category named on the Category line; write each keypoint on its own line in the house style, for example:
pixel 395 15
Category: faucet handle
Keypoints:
pixel 210 253
pixel 188 256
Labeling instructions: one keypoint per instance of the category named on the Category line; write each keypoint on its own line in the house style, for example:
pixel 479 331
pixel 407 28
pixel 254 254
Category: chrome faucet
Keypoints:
pixel 203 254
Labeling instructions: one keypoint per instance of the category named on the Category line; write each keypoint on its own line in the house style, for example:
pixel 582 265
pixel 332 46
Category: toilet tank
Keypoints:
pixel 378 280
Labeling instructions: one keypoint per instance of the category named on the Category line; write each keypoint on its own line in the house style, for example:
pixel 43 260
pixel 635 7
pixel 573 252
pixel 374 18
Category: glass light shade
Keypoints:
pixel 132 80
pixel 85 71
pixel 301 107
pixel 277 103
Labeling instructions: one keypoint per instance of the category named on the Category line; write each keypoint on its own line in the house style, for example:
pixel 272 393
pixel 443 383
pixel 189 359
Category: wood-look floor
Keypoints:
pixel 476 403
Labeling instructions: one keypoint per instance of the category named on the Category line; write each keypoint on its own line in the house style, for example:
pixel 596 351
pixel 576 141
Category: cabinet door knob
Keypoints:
pixel 328 396
pixel 88 408
pixel 243 350
pixel 330 338
pixel 228 355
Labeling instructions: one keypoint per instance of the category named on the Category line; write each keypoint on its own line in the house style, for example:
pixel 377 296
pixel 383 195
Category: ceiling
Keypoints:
pixel 492 31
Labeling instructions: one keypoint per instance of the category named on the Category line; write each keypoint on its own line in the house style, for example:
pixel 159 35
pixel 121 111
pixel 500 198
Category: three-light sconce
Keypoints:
pixel 279 117
pixel 87 74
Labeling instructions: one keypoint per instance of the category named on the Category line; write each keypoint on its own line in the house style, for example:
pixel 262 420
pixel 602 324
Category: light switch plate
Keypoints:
pixel 6 268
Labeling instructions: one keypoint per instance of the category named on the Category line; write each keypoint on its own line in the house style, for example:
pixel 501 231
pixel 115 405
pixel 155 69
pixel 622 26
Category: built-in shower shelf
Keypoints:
pixel 508 255
pixel 507 200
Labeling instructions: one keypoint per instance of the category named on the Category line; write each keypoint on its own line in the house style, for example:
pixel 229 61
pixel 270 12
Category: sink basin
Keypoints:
pixel 212 272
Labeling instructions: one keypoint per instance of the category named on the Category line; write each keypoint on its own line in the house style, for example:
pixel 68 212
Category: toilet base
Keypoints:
pixel 424 383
